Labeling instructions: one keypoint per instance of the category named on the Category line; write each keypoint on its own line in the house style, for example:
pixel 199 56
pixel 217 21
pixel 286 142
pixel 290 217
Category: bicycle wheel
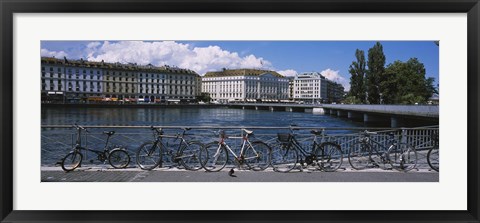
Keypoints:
pixel 258 156
pixel 149 156
pixel 190 156
pixel 359 155
pixel 284 159
pixel 403 157
pixel 433 156
pixel 329 156
pixel 119 158
pixel 213 157
pixel 71 161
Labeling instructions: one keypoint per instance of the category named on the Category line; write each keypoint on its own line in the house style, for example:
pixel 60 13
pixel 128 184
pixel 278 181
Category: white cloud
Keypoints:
pixel 93 44
pixel 199 59
pixel 288 72
pixel 56 54
pixel 334 75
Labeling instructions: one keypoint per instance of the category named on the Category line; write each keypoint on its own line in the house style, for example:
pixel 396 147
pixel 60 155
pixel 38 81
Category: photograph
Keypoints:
pixel 239 111
pixel 234 111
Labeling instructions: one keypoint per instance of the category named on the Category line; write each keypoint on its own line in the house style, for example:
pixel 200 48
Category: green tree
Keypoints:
pixel 357 71
pixel 375 73
pixel 405 83
pixel 351 100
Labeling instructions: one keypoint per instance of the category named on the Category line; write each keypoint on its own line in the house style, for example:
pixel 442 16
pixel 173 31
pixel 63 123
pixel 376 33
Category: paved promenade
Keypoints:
pixel 99 174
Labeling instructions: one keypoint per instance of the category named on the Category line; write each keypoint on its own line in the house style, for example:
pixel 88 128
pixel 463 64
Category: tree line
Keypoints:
pixel 397 83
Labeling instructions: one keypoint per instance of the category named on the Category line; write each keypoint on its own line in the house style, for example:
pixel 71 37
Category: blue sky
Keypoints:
pixel 331 58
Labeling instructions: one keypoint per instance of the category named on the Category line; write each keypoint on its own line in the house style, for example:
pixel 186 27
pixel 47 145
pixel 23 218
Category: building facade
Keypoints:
pixel 73 81
pixel 290 88
pixel 315 88
pixel 310 88
pixel 335 92
pixel 246 85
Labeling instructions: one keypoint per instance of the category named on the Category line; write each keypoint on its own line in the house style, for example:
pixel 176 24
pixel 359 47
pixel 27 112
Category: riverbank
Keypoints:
pixel 145 105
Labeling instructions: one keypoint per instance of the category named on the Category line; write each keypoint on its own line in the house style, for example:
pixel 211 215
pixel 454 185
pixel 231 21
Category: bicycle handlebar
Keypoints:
pixel 79 127
pixel 366 132
pixel 158 130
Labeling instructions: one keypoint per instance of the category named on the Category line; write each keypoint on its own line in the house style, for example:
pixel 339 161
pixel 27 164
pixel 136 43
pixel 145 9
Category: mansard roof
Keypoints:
pixel 116 66
pixel 241 72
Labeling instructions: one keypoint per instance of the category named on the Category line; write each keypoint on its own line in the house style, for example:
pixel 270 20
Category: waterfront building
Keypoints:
pixel 246 85
pixel 290 88
pixel 70 81
pixel 313 87
pixel 310 87
pixel 52 81
pixel 86 81
pixel 120 82
pixel 335 92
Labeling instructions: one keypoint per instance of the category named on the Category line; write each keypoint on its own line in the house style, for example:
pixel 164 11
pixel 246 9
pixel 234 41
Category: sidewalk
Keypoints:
pixel 99 174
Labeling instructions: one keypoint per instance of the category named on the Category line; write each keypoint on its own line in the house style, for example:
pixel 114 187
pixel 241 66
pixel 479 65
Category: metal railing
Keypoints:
pixel 58 140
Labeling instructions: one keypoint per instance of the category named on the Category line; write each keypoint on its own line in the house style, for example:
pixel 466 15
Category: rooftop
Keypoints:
pixel 310 75
pixel 241 72
pixel 116 66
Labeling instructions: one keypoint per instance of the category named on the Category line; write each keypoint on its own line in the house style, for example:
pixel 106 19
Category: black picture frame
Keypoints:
pixel 9 7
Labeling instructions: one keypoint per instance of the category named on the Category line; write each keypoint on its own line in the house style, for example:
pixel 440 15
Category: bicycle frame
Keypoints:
pixel 159 141
pixel 386 150
pixel 78 146
pixel 245 143
pixel 297 145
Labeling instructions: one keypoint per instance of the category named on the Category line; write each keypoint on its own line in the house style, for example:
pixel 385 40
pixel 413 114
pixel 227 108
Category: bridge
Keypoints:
pixel 397 115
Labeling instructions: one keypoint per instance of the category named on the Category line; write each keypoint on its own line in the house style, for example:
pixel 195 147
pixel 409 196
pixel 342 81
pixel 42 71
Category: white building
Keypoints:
pixel 314 88
pixel 169 84
pixel 78 80
pixel 310 87
pixel 63 80
pixel 247 85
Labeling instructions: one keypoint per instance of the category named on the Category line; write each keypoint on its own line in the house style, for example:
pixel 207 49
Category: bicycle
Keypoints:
pixel 215 155
pixel 326 156
pixel 150 154
pixel 400 156
pixel 433 154
pixel 117 157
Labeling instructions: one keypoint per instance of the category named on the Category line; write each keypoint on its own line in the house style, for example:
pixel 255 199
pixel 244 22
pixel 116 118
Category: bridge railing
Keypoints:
pixel 58 140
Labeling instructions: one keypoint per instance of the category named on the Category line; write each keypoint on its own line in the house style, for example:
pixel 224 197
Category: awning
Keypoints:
pixel 174 100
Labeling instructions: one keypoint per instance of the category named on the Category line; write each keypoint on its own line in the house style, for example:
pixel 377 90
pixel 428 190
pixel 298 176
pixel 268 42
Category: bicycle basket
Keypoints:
pixel 284 137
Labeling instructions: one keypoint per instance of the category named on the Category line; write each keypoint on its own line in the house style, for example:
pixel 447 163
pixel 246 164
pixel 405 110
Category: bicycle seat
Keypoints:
pixel 316 132
pixel 109 133
pixel 187 129
pixel 248 131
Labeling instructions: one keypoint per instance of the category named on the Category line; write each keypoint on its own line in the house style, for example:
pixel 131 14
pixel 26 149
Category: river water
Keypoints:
pixel 191 116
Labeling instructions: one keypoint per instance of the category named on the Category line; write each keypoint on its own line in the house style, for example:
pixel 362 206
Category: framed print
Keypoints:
pixel 239 111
